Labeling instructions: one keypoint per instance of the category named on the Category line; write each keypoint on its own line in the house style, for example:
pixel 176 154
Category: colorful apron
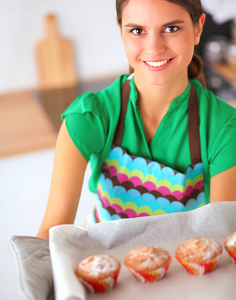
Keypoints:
pixel 131 186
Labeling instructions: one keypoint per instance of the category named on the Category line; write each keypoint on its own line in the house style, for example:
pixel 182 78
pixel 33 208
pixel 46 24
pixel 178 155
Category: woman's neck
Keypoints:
pixel 153 102
pixel 157 98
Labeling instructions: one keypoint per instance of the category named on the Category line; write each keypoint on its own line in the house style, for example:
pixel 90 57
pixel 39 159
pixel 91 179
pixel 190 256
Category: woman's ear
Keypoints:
pixel 199 29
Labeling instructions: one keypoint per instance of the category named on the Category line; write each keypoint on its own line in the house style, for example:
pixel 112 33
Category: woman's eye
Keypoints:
pixel 171 29
pixel 137 31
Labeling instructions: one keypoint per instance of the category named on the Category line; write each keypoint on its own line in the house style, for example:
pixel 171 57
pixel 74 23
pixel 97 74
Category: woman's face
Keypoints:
pixel 159 39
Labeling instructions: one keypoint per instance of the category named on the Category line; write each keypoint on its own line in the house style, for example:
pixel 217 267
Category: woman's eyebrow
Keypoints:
pixel 133 25
pixel 175 22
pixel 171 23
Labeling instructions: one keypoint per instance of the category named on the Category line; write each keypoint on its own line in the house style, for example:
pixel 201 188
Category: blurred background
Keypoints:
pixel 50 52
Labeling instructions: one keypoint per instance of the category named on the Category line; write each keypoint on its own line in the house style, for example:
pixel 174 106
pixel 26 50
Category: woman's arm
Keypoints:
pixel 66 184
pixel 223 186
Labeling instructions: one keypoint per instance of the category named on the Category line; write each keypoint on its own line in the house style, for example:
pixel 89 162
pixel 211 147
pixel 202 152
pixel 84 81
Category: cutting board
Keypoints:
pixel 55 58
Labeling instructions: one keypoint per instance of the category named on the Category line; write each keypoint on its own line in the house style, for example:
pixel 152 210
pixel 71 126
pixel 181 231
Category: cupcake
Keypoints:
pixel 199 255
pixel 230 245
pixel 98 273
pixel 148 263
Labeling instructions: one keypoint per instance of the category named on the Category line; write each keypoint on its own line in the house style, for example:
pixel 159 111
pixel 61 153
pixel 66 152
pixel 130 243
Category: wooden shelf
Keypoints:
pixel 225 71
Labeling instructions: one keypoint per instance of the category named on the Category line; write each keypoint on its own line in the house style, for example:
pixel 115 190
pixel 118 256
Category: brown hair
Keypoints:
pixel 194 7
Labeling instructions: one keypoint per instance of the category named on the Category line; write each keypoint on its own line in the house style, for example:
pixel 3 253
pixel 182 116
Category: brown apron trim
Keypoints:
pixel 193 122
pixel 193 127
pixel 124 103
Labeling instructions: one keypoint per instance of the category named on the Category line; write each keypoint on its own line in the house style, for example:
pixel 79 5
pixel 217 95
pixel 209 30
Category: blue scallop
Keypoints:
pixel 133 193
pixel 119 190
pixel 163 201
pixel 118 151
pixel 126 158
pixel 108 183
pixel 168 172
pixel 115 217
pixel 178 206
pixel 154 166
pixel 140 162
pixel 148 197
pixel 104 214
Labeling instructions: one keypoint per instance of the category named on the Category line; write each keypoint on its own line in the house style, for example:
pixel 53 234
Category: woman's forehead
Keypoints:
pixel 149 11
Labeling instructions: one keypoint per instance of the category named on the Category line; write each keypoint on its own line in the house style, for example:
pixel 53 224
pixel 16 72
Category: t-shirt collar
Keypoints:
pixel 180 101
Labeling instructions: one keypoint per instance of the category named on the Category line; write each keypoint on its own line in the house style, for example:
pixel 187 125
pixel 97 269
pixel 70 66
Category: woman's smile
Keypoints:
pixel 157 65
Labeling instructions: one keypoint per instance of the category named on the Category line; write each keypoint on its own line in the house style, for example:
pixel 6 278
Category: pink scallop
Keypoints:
pixel 136 181
pixel 105 166
pixel 149 185
pixel 164 190
pixel 112 170
pixel 117 208
pixel 122 177
pixel 178 195
pixel 143 215
pixel 199 185
pixel 105 201
pixel 188 191
pixel 130 213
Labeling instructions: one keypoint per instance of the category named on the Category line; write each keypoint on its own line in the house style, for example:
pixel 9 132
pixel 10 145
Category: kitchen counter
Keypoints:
pixel 24 126
pixel 30 119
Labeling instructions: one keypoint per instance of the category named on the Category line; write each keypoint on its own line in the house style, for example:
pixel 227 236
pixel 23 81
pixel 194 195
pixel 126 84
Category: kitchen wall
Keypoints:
pixel 90 24
pixel 25 179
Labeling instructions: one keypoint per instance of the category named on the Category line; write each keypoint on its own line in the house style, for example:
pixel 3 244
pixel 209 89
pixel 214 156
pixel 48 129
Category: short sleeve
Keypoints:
pixel 223 150
pixel 85 125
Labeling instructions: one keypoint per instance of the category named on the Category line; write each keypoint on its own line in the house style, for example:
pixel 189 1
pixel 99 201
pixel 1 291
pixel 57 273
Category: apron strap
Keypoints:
pixel 193 127
pixel 193 122
pixel 124 103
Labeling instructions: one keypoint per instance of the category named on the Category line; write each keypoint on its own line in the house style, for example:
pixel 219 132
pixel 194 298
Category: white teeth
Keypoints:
pixel 157 64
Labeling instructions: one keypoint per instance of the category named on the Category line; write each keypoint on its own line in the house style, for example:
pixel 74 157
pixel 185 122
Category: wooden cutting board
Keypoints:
pixel 55 58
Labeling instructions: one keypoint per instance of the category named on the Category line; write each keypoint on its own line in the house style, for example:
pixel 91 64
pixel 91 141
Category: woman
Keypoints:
pixel 144 131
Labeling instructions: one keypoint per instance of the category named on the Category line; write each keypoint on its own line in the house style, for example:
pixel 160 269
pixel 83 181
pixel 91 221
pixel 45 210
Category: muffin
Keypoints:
pixel 148 263
pixel 230 245
pixel 199 255
pixel 98 273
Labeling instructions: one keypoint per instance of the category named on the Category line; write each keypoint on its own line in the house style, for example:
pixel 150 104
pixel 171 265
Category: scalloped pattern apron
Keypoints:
pixel 131 186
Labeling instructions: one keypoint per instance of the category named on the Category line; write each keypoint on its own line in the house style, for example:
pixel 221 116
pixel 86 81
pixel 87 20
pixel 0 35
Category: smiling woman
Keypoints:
pixel 158 141
pixel 195 11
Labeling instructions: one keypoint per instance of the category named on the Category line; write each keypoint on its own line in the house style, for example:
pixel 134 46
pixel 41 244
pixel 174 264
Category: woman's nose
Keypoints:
pixel 156 44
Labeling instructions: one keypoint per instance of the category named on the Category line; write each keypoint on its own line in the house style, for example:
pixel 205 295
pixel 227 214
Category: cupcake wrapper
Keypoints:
pixel 150 276
pixel 199 269
pixel 232 255
pixel 100 286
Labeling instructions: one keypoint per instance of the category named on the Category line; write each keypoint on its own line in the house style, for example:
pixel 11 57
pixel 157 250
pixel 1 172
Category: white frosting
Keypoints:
pixel 149 256
pixel 98 264
pixel 200 248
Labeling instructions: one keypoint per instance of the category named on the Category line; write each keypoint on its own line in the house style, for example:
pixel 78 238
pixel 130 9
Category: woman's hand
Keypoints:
pixel 223 186
pixel 66 184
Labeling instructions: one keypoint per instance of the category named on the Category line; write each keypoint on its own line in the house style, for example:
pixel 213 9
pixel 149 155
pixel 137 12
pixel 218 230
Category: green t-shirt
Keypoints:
pixel 92 118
